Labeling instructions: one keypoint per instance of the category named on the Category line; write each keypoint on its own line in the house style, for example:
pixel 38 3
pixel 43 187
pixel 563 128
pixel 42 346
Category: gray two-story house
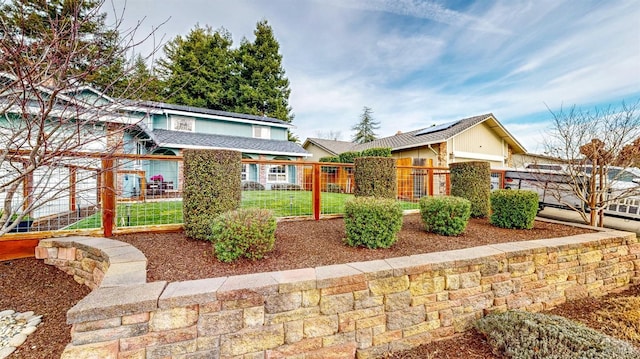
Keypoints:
pixel 168 129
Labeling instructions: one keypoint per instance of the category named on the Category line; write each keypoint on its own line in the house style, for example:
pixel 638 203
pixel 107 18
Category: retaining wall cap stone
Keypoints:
pixel 105 303
pixel 375 269
pixel 516 248
pixel 261 283
pixel 124 274
pixel 182 294
pixel 124 254
pixel 294 276
pixel 328 275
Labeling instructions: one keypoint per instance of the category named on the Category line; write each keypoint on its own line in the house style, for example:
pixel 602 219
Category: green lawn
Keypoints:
pixel 283 203
pixel 138 214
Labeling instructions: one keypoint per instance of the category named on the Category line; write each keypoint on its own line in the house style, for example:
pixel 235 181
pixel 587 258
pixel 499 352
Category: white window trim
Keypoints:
pixel 262 132
pixel 183 123
pixel 278 175
pixel 244 173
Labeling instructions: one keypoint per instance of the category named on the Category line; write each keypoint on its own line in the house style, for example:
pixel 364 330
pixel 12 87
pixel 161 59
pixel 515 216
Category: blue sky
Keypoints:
pixel 418 63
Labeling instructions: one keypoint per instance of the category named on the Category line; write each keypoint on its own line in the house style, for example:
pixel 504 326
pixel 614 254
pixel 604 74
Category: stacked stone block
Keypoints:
pixel 89 259
pixel 361 310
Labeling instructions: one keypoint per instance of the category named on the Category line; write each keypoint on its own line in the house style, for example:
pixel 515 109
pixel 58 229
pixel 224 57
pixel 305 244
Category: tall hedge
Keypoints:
pixel 472 180
pixel 211 186
pixel 375 177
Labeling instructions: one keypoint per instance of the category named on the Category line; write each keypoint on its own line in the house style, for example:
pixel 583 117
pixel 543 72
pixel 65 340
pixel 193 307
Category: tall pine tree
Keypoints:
pixel 144 82
pixel 202 69
pixel 264 88
pixel 64 33
pixel 199 69
pixel 365 128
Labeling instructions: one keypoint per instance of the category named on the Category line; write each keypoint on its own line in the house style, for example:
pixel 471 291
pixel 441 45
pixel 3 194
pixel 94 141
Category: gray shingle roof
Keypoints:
pixel 333 146
pixel 413 139
pixel 206 111
pixel 403 140
pixel 182 139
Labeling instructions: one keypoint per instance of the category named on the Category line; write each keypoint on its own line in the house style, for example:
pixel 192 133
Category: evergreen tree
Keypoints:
pixel 142 81
pixel 199 69
pixel 365 128
pixel 67 33
pixel 263 86
pixel 203 70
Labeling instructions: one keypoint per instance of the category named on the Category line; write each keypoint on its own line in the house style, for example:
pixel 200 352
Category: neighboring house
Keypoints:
pixel 319 147
pixel 471 139
pixel 522 160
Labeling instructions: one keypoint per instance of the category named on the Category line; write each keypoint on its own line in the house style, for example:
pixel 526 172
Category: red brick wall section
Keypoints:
pixel 341 311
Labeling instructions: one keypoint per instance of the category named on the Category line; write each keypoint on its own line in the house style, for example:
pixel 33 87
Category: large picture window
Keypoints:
pixel 277 173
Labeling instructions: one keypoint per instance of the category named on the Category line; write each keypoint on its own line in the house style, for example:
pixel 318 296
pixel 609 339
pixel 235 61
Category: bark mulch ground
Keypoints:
pixel 303 244
pixel 29 284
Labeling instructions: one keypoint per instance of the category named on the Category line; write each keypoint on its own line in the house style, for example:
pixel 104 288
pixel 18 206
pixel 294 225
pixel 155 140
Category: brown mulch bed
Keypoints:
pixel 29 284
pixel 302 244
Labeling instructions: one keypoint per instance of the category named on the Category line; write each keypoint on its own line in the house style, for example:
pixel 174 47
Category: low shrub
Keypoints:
pixel 334 188
pixel 372 222
pixel 376 152
pixel 329 159
pixel 348 157
pixel 446 215
pixel 286 187
pixel 521 335
pixel 247 232
pixel 513 208
pixel 252 186
pixel 622 316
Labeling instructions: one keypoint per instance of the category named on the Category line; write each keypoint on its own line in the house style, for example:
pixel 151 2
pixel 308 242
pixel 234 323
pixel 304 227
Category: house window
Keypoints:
pixel 243 174
pixel 139 151
pixel 181 123
pixel 277 173
pixel 262 132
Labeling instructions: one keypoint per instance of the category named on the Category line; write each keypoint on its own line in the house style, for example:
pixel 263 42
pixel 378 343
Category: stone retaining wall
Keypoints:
pixel 342 311
pixel 95 262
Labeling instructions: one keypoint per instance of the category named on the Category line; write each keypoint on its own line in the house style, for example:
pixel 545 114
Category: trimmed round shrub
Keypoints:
pixel 446 215
pixel 252 186
pixel 472 180
pixel 334 188
pixel 523 335
pixel 286 187
pixel 247 232
pixel 513 208
pixel 372 222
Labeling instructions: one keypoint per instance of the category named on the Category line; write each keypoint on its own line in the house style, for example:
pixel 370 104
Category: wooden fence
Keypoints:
pixel 107 196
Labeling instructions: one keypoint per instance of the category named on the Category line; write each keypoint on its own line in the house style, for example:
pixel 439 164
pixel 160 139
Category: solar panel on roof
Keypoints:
pixel 438 128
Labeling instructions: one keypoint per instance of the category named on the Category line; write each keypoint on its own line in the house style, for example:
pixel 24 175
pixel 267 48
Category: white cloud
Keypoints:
pixel 416 63
pixel 430 10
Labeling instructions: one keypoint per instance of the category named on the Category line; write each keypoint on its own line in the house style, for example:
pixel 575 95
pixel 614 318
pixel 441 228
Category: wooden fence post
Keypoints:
pixel 108 196
pixel 315 191
pixel 72 187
